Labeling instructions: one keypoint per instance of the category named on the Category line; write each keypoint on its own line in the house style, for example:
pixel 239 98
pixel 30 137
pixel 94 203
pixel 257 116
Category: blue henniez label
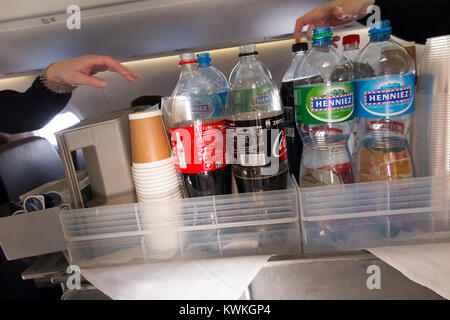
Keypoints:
pixel 384 97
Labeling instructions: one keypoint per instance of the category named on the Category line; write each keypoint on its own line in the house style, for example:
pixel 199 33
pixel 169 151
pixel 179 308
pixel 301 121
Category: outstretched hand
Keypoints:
pixel 79 71
pixel 334 13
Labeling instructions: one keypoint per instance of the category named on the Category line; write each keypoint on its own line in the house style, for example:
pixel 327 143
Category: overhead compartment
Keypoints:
pixel 132 29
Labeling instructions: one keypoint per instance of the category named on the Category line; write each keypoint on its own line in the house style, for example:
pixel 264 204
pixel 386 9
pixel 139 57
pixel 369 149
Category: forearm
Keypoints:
pixel 30 110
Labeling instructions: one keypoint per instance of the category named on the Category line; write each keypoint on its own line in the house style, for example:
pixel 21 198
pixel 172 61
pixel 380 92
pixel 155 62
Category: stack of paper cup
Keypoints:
pixel 156 181
pixel 153 168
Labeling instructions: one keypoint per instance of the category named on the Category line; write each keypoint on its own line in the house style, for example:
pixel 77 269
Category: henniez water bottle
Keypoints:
pixel 384 103
pixel 215 78
pixel 293 140
pixel 233 72
pixel 324 107
pixel 257 127
pixel 198 133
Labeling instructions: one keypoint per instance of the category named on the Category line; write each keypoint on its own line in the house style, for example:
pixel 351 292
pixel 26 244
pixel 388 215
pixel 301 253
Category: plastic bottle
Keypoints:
pixel 198 123
pixel 293 140
pixel 385 101
pixel 351 44
pixel 325 109
pixel 215 78
pixel 233 72
pixel 257 123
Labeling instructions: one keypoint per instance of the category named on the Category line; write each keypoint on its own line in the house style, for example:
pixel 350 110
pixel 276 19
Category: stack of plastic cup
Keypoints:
pixel 156 182
pixel 431 126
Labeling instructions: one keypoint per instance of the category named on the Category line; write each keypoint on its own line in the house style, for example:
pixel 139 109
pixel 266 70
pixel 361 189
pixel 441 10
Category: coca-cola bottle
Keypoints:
pixel 198 133
pixel 258 127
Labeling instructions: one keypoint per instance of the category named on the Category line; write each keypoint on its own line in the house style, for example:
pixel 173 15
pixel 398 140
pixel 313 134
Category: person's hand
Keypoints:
pixel 78 71
pixel 334 13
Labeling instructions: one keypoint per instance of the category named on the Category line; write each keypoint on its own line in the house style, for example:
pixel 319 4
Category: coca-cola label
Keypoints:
pixel 257 141
pixel 199 148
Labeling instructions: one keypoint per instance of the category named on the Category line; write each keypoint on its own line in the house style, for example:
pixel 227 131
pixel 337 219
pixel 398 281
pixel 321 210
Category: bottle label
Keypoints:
pixel 199 148
pixel 249 100
pixel 385 97
pixel 324 104
pixel 256 141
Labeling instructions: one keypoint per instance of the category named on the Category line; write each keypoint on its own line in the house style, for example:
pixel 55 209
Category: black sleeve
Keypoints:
pixel 416 20
pixel 30 110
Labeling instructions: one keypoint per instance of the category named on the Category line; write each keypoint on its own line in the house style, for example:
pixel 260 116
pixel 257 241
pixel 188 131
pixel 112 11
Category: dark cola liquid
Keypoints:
pixel 248 180
pixel 293 140
pixel 210 183
pixel 253 160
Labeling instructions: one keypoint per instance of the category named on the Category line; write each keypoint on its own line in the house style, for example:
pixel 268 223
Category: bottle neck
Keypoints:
pixel 321 42
pixel 380 36
pixel 248 59
pixel 204 64
pixel 351 46
pixel 189 67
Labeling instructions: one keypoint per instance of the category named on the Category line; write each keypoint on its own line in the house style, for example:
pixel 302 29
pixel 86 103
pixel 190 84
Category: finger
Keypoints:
pixel 309 32
pixel 311 17
pixel 298 31
pixel 128 74
pixel 111 65
pixel 82 78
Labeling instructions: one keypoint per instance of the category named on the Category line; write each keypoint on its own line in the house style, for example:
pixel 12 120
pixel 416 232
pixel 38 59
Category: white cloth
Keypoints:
pixel 221 279
pixel 426 264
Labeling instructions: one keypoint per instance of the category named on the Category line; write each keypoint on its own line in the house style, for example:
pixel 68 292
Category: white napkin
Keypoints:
pixel 209 279
pixel 427 264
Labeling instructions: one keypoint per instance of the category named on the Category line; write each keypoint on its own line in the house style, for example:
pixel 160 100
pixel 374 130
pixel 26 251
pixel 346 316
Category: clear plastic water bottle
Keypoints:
pixel 198 123
pixel 257 126
pixel 236 67
pixel 384 103
pixel 215 78
pixel 324 107
pixel 293 140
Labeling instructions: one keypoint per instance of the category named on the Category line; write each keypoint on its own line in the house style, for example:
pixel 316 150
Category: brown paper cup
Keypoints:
pixel 149 142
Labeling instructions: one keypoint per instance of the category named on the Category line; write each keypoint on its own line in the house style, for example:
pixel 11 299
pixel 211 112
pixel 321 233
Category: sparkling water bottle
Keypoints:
pixel 198 133
pixel 293 140
pixel 216 79
pixel 257 126
pixel 324 107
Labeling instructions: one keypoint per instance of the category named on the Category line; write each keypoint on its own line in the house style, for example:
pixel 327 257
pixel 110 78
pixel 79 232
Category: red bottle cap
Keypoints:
pixel 351 38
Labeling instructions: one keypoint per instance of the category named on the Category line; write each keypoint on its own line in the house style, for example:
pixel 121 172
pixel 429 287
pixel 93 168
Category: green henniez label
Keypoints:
pixel 324 104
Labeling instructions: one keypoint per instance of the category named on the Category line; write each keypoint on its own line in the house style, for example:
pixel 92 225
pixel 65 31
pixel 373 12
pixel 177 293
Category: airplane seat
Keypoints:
pixel 26 164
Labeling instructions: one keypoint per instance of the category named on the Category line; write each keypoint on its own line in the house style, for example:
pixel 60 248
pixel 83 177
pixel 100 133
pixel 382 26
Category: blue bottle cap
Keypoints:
pixel 380 26
pixel 204 60
pixel 321 32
